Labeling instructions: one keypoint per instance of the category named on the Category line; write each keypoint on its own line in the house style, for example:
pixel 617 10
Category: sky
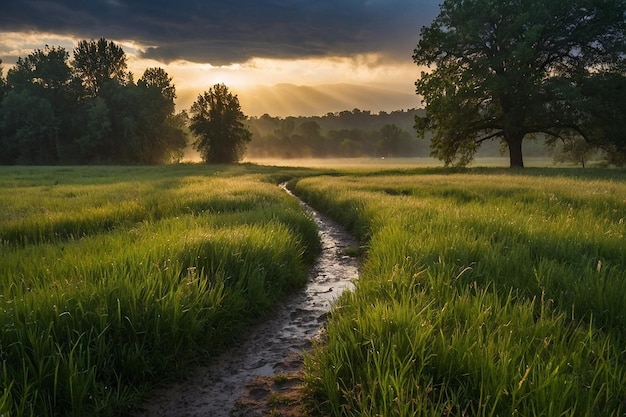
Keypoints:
pixel 281 57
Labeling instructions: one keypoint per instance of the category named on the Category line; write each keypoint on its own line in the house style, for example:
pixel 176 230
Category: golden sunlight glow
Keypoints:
pixel 21 44
pixel 299 87
pixel 279 87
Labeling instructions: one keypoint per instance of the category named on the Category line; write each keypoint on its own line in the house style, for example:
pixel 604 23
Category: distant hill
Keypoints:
pixel 288 99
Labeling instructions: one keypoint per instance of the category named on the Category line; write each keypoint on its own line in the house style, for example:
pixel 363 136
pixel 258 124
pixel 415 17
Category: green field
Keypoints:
pixel 484 291
pixel 114 278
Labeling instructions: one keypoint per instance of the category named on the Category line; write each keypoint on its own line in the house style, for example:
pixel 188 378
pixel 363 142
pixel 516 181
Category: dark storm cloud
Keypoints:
pixel 222 32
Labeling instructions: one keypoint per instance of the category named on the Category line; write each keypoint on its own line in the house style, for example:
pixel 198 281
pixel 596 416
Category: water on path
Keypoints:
pixel 214 390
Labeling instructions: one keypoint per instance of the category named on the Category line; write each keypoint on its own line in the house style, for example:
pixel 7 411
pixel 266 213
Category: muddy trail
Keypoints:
pixel 239 382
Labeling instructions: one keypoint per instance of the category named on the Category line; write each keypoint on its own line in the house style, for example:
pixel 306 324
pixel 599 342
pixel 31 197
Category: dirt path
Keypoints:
pixel 240 382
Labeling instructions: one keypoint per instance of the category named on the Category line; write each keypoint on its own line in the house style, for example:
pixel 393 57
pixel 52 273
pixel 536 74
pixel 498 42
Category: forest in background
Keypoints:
pixel 344 134
pixel 87 110
pixel 356 133
pixel 90 110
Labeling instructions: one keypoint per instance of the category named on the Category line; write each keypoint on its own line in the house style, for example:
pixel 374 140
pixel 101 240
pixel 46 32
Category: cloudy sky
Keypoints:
pixel 282 57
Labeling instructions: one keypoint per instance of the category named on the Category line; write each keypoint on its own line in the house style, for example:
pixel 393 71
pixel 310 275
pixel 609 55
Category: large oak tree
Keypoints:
pixel 510 69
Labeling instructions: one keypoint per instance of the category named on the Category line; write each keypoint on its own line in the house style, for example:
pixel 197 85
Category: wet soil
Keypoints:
pixel 262 375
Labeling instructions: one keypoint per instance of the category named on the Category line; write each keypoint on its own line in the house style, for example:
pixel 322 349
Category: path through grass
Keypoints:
pixel 113 278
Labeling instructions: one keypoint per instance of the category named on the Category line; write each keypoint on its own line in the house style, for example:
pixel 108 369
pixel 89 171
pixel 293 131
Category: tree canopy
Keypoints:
pixel 510 69
pixel 98 62
pixel 218 122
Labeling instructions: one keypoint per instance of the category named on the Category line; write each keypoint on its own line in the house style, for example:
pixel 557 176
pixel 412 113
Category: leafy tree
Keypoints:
pixel 346 134
pixel 30 129
pixel 506 69
pixel 122 144
pixel 159 80
pixel 160 134
pixel 162 137
pixel 97 130
pixel 283 137
pixel 351 142
pixel 395 141
pixel 351 148
pixel 46 74
pixel 177 132
pixel 99 62
pixel 44 70
pixel 217 120
pixel 310 139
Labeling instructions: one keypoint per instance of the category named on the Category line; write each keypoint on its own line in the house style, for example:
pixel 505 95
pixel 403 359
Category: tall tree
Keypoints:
pixel 30 129
pixel 162 137
pixel 123 144
pixel 159 80
pixel 46 74
pixel 217 120
pixel 98 62
pixel 45 69
pixel 506 69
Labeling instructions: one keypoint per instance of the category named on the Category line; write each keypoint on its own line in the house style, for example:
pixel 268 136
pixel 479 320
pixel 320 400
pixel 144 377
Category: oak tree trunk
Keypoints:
pixel 514 141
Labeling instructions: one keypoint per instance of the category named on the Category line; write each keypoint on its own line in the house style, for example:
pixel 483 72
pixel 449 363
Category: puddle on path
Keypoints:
pixel 214 390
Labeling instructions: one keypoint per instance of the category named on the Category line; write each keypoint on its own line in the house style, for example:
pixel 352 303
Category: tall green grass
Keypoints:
pixel 113 279
pixel 486 293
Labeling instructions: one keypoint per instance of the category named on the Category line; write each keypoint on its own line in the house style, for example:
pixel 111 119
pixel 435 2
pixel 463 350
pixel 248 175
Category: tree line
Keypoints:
pixel 89 109
pixel 361 133
pixel 356 133
pixel 497 71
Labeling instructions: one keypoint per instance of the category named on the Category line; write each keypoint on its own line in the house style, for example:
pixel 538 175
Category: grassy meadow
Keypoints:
pixel 114 278
pixel 484 292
